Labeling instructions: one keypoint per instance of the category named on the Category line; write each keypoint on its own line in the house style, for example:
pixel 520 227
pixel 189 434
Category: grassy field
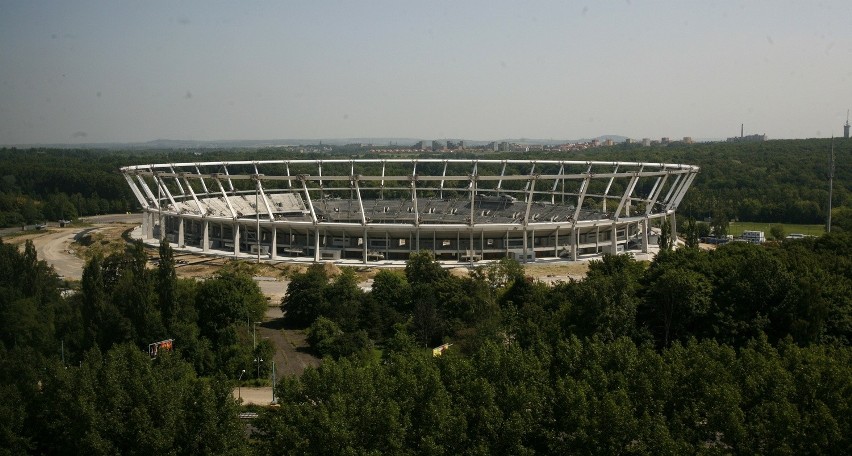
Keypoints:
pixel 737 228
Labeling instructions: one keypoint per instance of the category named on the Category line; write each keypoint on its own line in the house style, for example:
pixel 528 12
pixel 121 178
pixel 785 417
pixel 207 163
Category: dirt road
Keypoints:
pixel 54 248
pixel 292 354
pixel 54 245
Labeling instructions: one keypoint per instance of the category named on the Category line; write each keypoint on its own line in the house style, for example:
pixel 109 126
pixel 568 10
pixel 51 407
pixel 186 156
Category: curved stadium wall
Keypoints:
pixel 379 210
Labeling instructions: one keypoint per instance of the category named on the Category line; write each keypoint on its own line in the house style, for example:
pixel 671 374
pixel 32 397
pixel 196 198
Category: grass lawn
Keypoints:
pixel 737 228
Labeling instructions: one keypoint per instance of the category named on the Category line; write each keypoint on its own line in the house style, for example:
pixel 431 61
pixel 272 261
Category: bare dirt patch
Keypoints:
pixel 557 269
pixel 253 395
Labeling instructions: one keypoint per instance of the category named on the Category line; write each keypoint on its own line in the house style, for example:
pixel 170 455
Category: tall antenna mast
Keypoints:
pixel 830 184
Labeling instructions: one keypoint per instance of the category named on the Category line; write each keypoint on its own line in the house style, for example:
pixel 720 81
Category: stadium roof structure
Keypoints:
pixel 382 209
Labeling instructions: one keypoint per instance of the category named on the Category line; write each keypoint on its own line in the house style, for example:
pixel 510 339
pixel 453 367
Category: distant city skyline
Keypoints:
pixel 87 72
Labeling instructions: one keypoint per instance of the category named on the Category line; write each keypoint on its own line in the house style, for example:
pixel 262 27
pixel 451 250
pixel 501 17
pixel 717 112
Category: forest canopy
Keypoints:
pixel 781 181
pixel 745 349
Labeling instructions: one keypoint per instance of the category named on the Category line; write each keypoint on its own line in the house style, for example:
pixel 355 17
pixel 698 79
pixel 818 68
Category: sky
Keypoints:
pixel 133 71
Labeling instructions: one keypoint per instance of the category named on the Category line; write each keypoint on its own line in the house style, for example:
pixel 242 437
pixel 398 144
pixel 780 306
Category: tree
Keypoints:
pixel 605 303
pixel 388 303
pixel 674 300
pixel 323 334
pixel 391 289
pixel 422 268
pixel 690 232
pixel 225 300
pixel 343 300
pixel 166 284
pixel 777 232
pixel 105 325
pixel 665 241
pixel 841 219
pixel 499 274
pixel 750 286
pixel 305 297
pixel 123 402
pixel 719 223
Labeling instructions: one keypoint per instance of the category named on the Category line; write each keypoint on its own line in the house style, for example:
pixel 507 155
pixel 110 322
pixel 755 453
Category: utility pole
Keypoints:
pixel 257 358
pixel 273 381
pixel 830 184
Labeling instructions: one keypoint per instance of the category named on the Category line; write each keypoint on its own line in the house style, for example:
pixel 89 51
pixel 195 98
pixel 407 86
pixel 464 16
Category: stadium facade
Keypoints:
pixel 380 210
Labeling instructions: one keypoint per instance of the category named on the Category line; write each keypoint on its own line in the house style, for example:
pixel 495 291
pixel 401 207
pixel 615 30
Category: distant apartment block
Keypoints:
pixel 420 145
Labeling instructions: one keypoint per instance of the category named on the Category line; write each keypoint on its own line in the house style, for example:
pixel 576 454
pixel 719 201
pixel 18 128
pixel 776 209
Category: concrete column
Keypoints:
pixel 236 239
pixel 525 244
pixel 205 238
pixel 506 243
pixel 597 239
pixel 674 231
pixel 532 239
pixel 556 243
pixel 180 238
pixel 614 245
pixel 575 239
pixel 365 245
pixel 273 254
pixel 645 235
pixel 162 227
pixel 316 245
pixel 144 226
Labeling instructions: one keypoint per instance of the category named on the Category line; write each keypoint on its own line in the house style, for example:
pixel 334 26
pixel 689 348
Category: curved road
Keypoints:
pixel 54 249
pixel 53 246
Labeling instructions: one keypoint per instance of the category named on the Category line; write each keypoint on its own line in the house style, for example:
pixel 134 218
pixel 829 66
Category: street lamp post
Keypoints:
pixel 257 361
pixel 254 335
pixel 273 381
pixel 240 386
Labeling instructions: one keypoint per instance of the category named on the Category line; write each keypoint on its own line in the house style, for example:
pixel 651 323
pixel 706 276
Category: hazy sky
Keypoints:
pixel 77 71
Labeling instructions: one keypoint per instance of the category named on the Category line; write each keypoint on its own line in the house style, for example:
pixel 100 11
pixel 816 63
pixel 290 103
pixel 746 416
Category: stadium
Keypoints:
pixel 375 211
